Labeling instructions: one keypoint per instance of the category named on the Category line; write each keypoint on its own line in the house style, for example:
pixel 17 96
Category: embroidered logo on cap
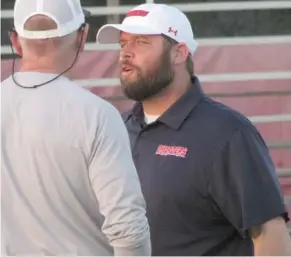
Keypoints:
pixel 137 13
pixel 173 31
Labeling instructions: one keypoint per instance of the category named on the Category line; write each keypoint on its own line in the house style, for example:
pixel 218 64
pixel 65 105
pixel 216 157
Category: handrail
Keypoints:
pixel 225 77
pixel 272 118
pixel 284 173
pixel 287 199
pixel 223 41
pixel 263 93
pixel 187 7
pixel 277 144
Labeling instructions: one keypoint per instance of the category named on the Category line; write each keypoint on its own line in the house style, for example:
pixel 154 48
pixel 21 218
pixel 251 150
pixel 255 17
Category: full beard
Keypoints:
pixel 146 86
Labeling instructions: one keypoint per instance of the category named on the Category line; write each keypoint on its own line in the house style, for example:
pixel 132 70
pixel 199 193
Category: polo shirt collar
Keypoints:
pixel 179 111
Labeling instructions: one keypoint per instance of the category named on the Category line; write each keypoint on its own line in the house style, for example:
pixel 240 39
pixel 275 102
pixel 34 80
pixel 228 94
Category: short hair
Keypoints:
pixel 189 60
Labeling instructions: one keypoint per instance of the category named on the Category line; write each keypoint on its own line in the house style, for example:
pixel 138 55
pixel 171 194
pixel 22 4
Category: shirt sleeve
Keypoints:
pixel 117 188
pixel 244 184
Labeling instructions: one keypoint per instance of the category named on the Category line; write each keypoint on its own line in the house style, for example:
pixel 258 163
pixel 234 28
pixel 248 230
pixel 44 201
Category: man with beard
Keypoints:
pixel 208 180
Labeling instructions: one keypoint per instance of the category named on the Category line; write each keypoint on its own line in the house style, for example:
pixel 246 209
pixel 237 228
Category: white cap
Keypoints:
pixel 67 14
pixel 151 19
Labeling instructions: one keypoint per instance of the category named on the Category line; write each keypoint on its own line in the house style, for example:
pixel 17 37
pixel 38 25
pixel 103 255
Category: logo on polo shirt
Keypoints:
pixel 178 151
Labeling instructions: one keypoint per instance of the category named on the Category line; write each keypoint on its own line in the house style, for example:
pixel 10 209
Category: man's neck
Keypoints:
pixel 161 103
pixel 49 66
pixel 42 70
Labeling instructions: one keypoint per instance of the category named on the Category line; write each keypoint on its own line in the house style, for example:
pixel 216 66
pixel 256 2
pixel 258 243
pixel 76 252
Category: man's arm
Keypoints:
pixel 117 188
pixel 271 238
pixel 245 186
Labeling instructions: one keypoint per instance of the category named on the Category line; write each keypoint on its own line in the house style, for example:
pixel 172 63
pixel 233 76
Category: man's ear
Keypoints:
pixel 83 35
pixel 15 42
pixel 180 54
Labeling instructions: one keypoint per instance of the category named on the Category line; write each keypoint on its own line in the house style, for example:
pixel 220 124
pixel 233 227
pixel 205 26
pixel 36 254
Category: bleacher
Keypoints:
pixel 246 68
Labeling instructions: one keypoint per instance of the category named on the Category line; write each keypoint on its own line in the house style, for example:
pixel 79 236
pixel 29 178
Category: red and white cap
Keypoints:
pixel 151 19
pixel 67 14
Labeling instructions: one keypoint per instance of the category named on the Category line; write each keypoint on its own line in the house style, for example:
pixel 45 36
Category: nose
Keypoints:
pixel 126 52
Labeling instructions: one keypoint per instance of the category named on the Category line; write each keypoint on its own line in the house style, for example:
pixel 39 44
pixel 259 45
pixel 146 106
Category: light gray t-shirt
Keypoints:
pixel 69 185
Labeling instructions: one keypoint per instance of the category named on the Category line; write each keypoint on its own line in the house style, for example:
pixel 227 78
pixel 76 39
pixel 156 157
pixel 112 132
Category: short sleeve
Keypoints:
pixel 244 182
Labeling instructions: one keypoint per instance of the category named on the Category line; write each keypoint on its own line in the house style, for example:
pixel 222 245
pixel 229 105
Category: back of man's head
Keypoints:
pixel 45 47
pixel 48 28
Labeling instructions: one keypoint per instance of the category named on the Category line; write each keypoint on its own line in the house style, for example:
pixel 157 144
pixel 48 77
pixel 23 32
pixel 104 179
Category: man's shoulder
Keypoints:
pixel 92 107
pixel 6 82
pixel 225 116
pixel 219 121
pixel 84 95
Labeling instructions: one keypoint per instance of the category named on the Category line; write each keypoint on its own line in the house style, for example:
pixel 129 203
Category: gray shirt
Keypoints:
pixel 69 185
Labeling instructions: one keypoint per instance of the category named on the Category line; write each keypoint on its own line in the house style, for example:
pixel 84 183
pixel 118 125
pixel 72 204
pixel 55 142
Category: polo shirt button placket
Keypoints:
pixel 143 134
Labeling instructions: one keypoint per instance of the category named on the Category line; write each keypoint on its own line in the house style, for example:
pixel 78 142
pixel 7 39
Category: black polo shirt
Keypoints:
pixel 206 176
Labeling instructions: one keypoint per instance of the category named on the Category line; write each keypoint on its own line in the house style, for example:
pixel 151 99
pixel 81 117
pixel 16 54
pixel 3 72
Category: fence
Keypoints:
pixel 221 82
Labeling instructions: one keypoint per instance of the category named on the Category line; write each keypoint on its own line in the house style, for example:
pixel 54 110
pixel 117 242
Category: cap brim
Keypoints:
pixel 110 33
pixel 86 13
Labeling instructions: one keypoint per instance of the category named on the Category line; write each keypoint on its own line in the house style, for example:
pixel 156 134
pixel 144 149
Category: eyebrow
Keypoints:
pixel 143 37
pixel 137 37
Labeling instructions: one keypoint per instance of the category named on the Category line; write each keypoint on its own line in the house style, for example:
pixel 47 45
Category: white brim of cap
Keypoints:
pixel 110 33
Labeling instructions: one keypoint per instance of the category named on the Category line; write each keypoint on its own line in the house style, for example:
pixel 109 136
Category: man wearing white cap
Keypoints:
pixel 69 185
pixel 208 180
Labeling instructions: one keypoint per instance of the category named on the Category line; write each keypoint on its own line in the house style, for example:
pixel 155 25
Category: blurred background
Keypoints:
pixel 243 60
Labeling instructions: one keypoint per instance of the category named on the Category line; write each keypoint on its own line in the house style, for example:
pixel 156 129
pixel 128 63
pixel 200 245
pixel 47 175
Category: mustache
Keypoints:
pixel 129 64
